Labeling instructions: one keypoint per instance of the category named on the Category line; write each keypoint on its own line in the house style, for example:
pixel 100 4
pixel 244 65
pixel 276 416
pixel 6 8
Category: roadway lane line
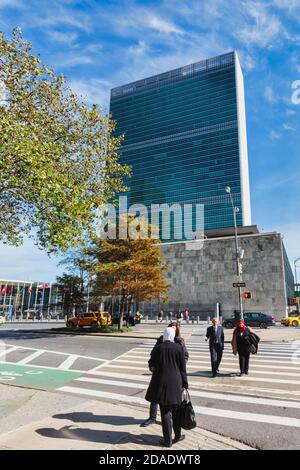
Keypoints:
pixel 57 352
pixel 203 394
pixel 8 350
pixel 65 365
pixel 42 367
pixel 30 358
pixel 220 413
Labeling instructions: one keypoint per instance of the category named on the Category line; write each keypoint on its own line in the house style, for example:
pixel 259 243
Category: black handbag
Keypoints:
pixel 187 413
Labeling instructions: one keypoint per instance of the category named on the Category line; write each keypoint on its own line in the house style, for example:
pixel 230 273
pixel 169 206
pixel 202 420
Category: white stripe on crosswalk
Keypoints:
pixel 8 350
pixel 68 362
pixel 31 357
pixel 253 371
pixel 206 362
pixel 238 415
pixel 196 393
pixel 198 384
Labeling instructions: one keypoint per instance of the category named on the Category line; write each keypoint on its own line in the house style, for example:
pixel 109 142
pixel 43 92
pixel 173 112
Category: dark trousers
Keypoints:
pixel 170 418
pixel 216 352
pixel 244 362
pixel 153 410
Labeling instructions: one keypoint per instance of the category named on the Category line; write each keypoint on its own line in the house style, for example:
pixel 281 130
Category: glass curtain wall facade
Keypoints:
pixel 185 139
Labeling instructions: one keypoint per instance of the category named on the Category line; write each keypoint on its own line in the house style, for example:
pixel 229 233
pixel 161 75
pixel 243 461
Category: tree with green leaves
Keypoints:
pixel 131 268
pixel 59 159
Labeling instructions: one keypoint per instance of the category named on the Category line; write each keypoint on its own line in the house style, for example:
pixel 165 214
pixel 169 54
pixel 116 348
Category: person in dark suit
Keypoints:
pixel 178 339
pixel 168 379
pixel 215 334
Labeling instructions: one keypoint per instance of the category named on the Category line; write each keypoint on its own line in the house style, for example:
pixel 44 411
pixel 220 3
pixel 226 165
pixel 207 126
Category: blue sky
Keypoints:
pixel 102 44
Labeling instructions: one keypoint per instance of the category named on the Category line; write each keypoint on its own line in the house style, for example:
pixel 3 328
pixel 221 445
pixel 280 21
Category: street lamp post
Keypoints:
pixel 235 210
pixel 296 282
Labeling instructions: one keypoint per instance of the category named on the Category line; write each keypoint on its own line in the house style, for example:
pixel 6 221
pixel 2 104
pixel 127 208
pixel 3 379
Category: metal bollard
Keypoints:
pixel 197 319
pixel 208 320
pixel 146 319
pixel 156 319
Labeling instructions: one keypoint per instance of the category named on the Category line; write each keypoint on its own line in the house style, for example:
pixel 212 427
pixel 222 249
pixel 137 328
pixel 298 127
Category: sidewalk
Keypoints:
pixel 38 420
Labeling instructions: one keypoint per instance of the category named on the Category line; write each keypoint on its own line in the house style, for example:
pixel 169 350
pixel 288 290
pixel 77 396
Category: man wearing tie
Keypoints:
pixel 215 334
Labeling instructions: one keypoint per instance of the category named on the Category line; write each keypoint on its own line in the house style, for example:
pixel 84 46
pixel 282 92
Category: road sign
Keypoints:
pixel 239 284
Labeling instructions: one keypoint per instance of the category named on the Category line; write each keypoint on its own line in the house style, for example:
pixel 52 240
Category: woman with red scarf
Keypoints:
pixel 241 344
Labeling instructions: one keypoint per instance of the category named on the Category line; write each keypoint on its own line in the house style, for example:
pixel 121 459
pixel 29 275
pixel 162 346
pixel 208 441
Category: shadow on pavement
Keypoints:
pixel 86 417
pixel 99 436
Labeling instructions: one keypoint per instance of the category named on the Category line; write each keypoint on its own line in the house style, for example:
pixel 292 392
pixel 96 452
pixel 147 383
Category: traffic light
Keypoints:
pixel 240 268
pixel 247 295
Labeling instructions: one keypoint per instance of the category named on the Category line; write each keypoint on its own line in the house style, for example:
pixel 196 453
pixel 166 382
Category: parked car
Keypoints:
pixel 292 320
pixel 90 319
pixel 2 319
pixel 263 320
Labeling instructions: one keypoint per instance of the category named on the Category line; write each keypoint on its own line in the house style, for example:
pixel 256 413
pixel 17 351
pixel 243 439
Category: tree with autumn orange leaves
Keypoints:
pixel 132 268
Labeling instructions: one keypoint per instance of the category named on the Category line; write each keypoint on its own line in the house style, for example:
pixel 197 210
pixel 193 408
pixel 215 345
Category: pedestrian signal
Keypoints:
pixel 247 295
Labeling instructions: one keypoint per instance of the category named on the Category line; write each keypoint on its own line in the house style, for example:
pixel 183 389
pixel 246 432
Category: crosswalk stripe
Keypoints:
pixel 238 415
pixel 8 350
pixel 68 362
pixel 31 357
pixel 253 371
pixel 197 393
pixel 198 384
pixel 207 362
pixel 262 356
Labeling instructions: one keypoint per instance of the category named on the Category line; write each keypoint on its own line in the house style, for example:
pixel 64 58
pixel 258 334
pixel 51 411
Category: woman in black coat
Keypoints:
pixel 242 343
pixel 168 379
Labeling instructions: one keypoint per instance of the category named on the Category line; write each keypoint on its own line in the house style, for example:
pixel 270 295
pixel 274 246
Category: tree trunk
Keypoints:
pixel 120 324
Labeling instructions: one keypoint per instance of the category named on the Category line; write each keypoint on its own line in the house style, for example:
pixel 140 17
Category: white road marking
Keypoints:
pixel 220 413
pixel 8 350
pixel 67 363
pixel 31 357
pixel 56 352
pixel 197 393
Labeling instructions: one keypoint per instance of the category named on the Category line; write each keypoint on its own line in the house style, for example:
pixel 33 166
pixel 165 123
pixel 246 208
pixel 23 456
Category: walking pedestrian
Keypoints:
pixel 170 316
pixel 215 334
pixel 165 388
pixel 178 339
pixel 161 315
pixel 242 344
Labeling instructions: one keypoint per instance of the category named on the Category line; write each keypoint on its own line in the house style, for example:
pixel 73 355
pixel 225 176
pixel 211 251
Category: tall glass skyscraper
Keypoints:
pixel 185 138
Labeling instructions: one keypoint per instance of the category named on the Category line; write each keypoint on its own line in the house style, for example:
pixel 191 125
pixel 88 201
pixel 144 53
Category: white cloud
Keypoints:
pixel 262 28
pixel 274 135
pixel 288 127
pixel 161 25
pixel 63 38
pixel 269 94
pixel 72 60
pixel 96 91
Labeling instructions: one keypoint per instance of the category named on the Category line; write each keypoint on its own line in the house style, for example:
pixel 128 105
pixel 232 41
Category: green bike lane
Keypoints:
pixel 41 378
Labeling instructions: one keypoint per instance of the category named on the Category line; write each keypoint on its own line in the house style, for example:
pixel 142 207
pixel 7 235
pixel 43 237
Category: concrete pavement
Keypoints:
pixel 38 420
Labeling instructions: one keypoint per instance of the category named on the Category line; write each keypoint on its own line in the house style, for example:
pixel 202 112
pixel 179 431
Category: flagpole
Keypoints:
pixel 43 295
pixel 17 299
pixel 4 300
pixel 36 296
pixel 9 304
pixel 29 300
pixel 22 301
pixel 56 299
pixel 49 300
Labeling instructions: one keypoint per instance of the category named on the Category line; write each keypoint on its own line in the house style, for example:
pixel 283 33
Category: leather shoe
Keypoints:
pixel 148 422
pixel 165 444
pixel 179 438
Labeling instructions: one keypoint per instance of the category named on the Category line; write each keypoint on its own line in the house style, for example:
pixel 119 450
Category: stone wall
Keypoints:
pixel 200 278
